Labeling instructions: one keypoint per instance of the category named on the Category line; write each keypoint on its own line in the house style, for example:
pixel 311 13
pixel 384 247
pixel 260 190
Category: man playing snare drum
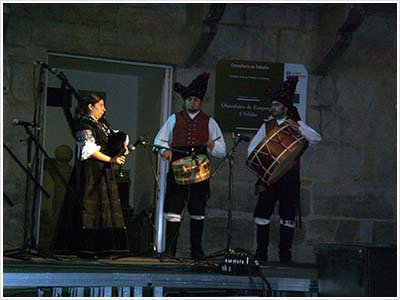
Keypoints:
pixel 193 131
pixel 287 188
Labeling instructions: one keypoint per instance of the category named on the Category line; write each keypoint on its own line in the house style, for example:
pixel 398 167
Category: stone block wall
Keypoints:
pixel 348 180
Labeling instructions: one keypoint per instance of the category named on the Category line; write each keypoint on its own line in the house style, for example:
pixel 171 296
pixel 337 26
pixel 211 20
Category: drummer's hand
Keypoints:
pixel 210 144
pixel 118 159
pixel 167 155
pixel 292 124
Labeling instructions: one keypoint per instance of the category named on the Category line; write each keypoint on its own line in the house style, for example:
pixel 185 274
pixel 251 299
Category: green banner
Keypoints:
pixel 240 101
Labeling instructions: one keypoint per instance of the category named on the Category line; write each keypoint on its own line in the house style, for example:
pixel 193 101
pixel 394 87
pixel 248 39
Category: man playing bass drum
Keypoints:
pixel 287 189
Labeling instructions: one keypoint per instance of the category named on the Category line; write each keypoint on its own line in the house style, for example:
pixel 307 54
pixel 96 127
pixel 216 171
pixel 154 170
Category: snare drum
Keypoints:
pixel 190 170
pixel 276 154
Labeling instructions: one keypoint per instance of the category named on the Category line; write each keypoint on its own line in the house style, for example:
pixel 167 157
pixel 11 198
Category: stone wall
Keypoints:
pixel 348 180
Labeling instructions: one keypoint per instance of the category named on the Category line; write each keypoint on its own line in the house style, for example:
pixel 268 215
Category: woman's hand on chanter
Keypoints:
pixel 118 159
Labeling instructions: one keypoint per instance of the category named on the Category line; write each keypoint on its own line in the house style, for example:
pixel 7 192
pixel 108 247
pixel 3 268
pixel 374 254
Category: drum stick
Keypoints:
pixel 214 140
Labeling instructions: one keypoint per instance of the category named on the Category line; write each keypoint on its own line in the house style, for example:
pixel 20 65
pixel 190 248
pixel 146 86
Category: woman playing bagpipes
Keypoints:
pixel 91 222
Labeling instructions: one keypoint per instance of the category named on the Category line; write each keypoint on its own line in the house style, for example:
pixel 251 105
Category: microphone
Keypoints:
pixel 131 148
pixel 46 66
pixel 24 123
pixel 140 140
pixel 242 137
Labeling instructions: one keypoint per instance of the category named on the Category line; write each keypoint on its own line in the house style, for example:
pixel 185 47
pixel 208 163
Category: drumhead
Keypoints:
pixel 190 169
pixel 276 154
pixel 189 160
pixel 285 165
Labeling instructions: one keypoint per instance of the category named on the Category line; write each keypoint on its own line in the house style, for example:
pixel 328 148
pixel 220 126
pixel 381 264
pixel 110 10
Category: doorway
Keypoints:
pixel 137 97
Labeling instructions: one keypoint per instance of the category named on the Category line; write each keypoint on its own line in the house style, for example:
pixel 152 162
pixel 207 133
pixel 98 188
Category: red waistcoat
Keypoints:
pixel 190 132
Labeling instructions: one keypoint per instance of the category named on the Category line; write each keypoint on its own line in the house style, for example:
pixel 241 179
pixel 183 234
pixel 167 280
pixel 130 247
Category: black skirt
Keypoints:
pixel 91 219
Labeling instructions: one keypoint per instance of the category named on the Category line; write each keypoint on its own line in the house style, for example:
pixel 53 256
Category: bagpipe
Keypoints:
pixel 115 143
pixel 115 140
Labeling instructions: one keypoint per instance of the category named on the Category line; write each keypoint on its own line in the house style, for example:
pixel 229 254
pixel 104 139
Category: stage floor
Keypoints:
pixel 145 276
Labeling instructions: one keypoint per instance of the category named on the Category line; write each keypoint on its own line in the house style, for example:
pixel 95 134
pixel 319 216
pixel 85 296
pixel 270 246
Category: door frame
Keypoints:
pixel 161 164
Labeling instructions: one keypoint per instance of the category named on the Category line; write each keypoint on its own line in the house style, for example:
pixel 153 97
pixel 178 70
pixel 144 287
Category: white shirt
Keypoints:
pixel 306 131
pixel 164 135
pixel 87 143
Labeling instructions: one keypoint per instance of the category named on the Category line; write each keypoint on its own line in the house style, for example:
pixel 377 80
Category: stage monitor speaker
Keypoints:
pixel 356 270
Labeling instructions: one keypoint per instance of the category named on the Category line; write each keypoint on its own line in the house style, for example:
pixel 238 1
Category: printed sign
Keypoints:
pixel 240 100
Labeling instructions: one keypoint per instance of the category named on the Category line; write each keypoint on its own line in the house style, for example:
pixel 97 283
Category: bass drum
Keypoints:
pixel 276 154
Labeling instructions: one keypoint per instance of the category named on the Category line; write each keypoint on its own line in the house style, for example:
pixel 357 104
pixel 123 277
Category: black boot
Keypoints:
pixel 196 233
pixel 285 244
pixel 171 238
pixel 262 244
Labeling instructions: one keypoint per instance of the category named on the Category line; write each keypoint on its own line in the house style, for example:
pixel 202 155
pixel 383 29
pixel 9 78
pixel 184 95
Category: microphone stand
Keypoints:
pixel 8 200
pixel 28 241
pixel 230 157
pixel 140 141
pixel 32 174
pixel 166 148
pixel 158 147
pixel 35 227
pixel 61 76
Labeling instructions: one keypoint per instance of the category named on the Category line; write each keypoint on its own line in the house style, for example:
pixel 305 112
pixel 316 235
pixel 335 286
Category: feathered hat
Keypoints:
pixel 285 92
pixel 197 87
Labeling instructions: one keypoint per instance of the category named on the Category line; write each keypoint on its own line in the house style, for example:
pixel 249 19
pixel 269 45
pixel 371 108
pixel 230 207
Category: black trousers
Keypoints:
pixel 194 195
pixel 287 191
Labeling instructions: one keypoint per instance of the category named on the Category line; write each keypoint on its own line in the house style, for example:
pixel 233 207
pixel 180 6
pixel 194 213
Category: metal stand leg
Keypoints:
pixel 158 291
pixel 124 292
pixel 138 291
pixel 56 292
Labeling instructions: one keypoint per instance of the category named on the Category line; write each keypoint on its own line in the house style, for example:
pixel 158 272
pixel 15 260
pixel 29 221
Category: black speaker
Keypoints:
pixel 140 233
pixel 58 97
pixel 123 184
pixel 356 270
